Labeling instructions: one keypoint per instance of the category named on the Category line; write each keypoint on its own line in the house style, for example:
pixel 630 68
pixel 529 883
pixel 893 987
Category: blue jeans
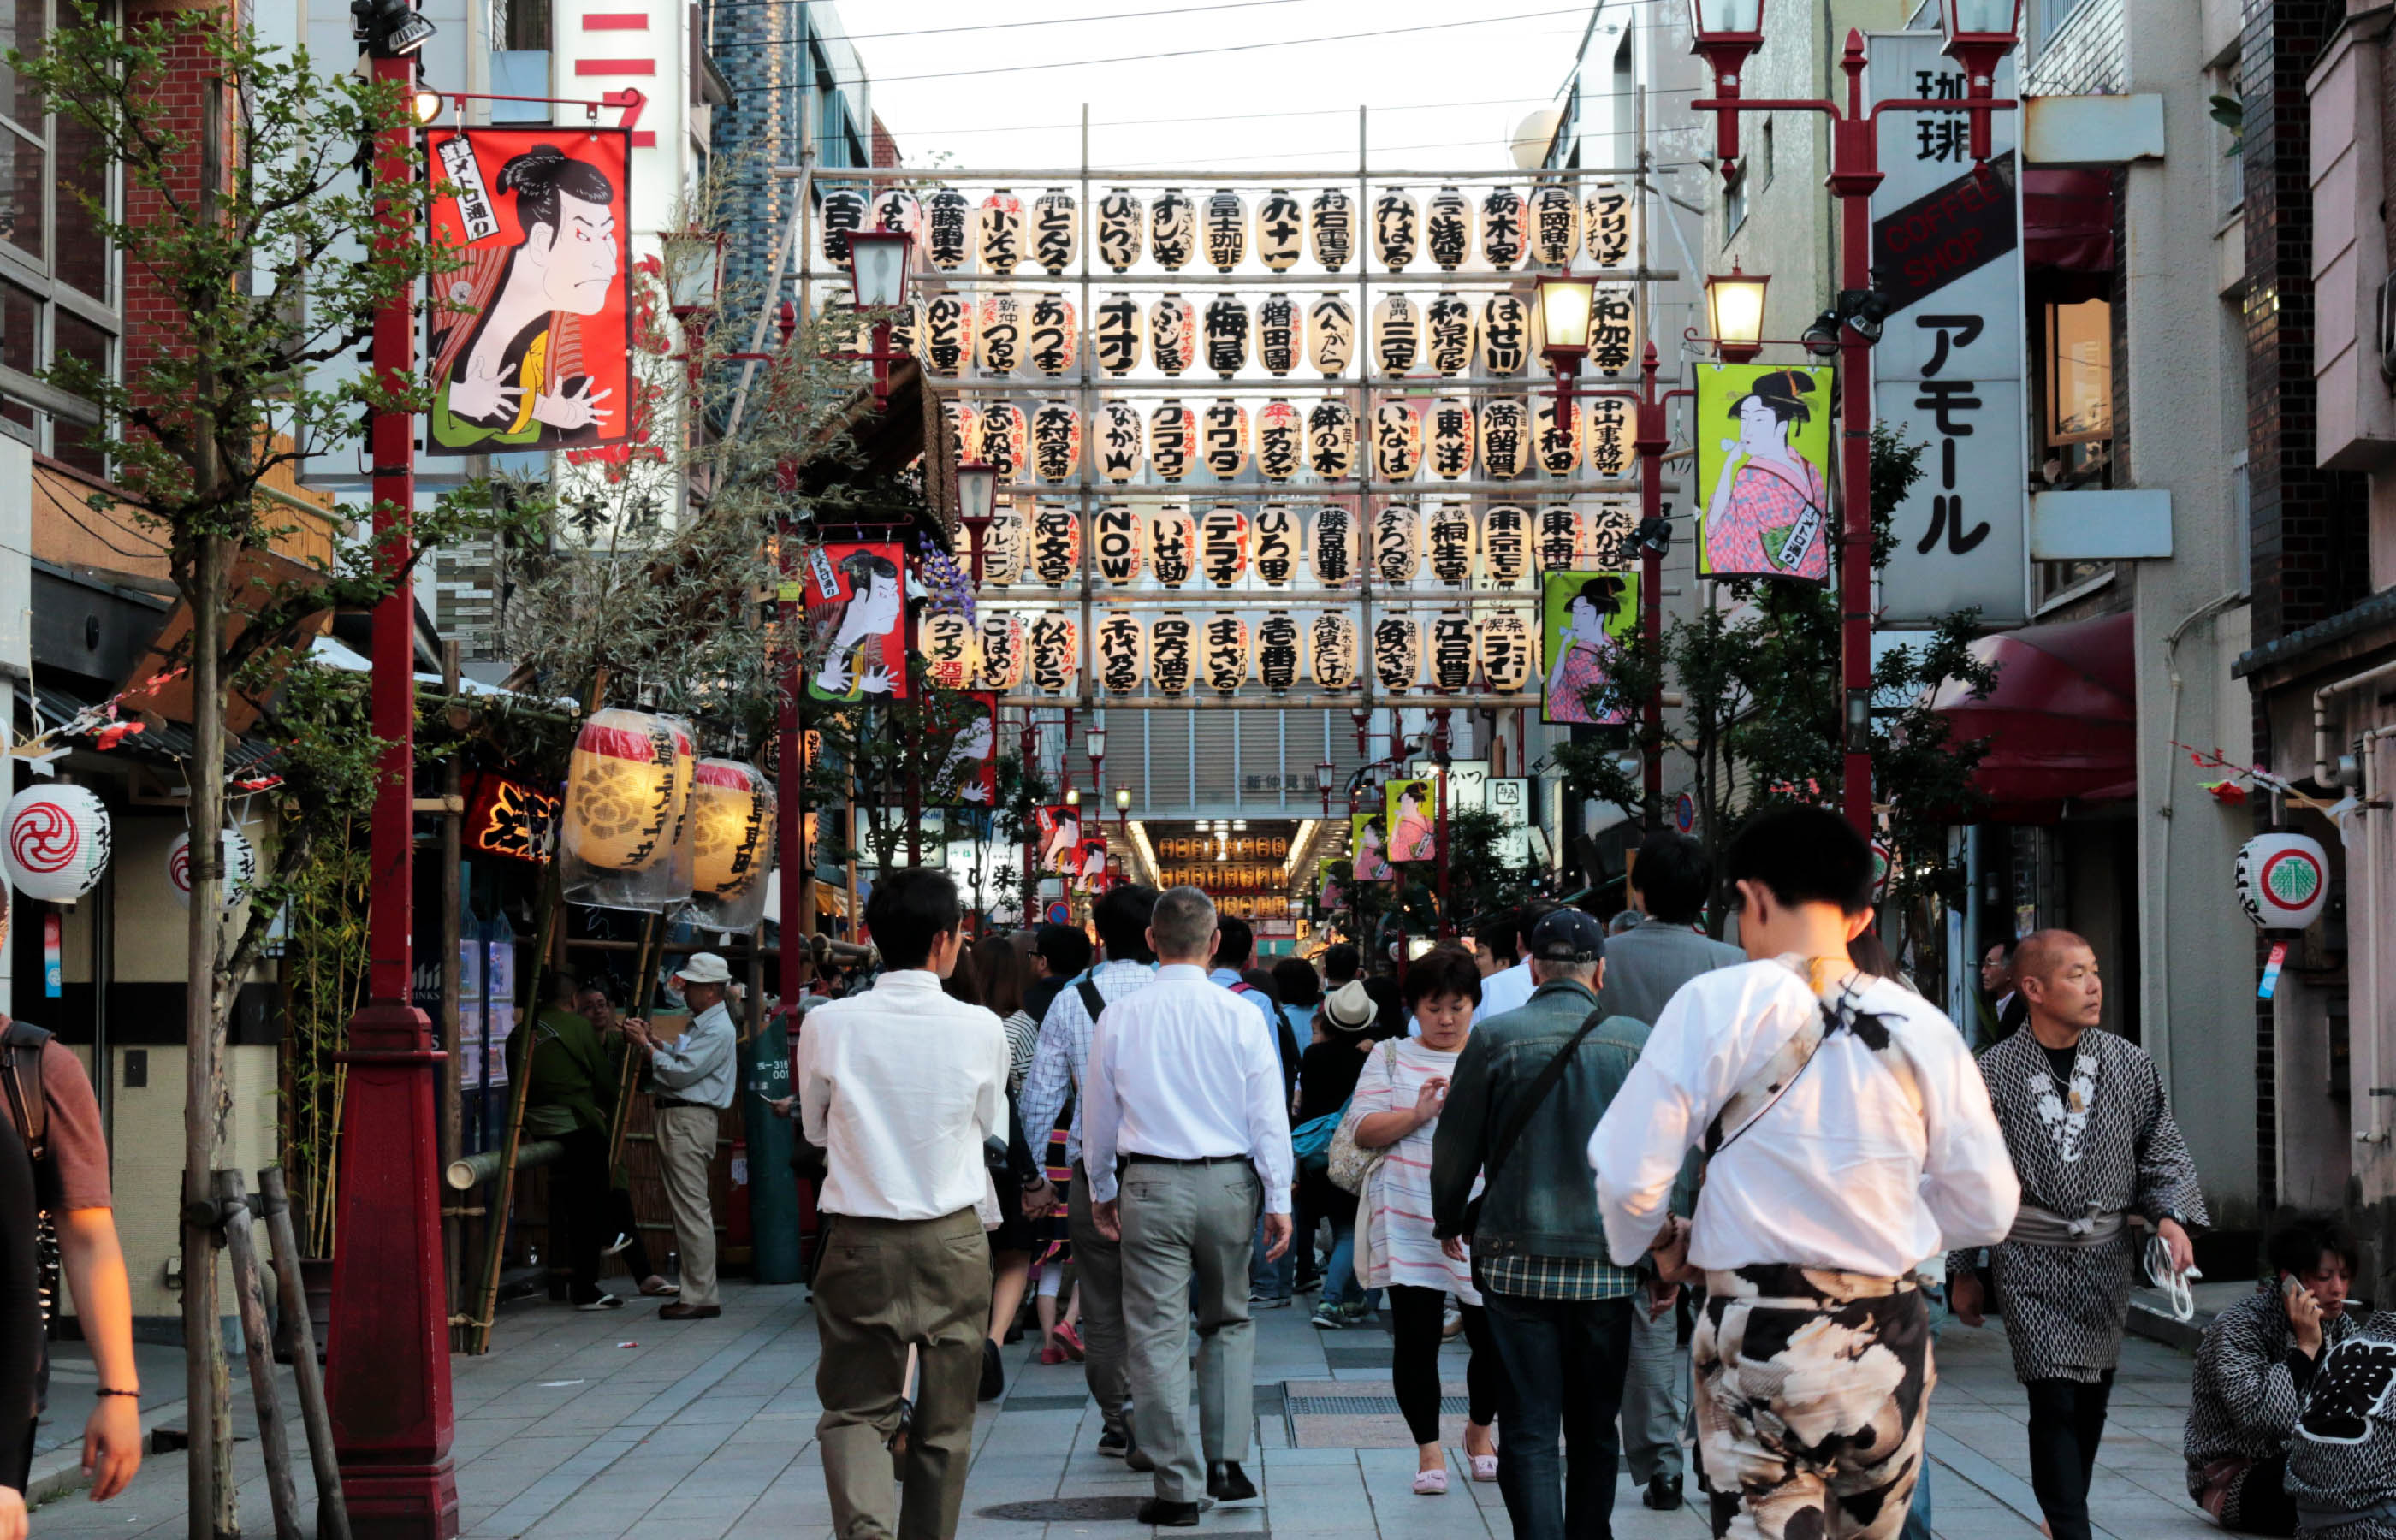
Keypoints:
pixel 1274 1280
pixel 1917 1518
pixel 1339 1284
pixel 1564 1365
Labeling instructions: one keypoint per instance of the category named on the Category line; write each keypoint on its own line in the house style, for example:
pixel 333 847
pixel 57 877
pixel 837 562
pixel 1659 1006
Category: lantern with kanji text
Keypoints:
pixel 1397 334
pixel 1447 229
pixel 1396 223
pixel 1116 329
pixel 1226 335
pixel 1223 438
pixel 1173 333
pixel 1331 546
pixel 946 240
pixel 1331 439
pixel 1223 545
pixel 1281 441
pixel 1449 534
pixel 1116 439
pixel 1281 651
pixel 1172 439
pixel 1056 441
pixel 842 210
pixel 1056 654
pixel 1331 225
pixel 627 807
pixel 947 333
pixel 1608 430
pixel 1397 552
pixel 1397 651
pixel 1121 229
pixel 998 342
pixel 1055 338
pixel 1280 228
pixel 1451 651
pixel 1223 648
pixel 1330 334
pixel 1506 545
pixel 1397 441
pixel 1607 233
pixel 1172 230
pixel 1275 544
pixel 1333 643
pixel 1505 437
pixel 1552 218
pixel 1121 644
pixel 732 815
pixel 1280 334
pixel 1003 440
pixel 1509 650
pixel 1224 229
pixel 1056 544
pixel 1563 533
pixel 999 235
pixel 1169 659
pixel 1505 334
pixel 952 654
pixel 1117 549
pixel 1004 643
pixel 1451 438
pixel 1056 231
pixel 1172 544
pixel 1555 436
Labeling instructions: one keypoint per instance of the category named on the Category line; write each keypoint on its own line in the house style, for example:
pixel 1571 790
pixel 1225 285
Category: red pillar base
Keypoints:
pixel 402 1501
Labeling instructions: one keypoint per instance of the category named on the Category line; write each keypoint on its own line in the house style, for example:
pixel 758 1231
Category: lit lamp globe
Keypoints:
pixel 1561 318
pixel 1735 306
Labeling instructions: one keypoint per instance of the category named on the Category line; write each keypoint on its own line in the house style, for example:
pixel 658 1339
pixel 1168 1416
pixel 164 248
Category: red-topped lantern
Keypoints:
pixel 1726 32
pixel 1979 35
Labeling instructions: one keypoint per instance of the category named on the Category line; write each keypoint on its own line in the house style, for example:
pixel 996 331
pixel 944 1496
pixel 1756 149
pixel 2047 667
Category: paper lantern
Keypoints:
pixel 1172 544
pixel 1396 551
pixel 1502 228
pixel 1275 544
pixel 1509 650
pixel 1397 441
pixel 964 427
pixel 1004 442
pixel 1055 442
pixel 999 233
pixel 237 855
pixel 1172 439
pixel 732 814
pixel 1447 335
pixel 1115 440
pixel 1115 335
pixel 1331 546
pixel 1054 338
pixel 1223 438
pixel 1332 641
pixel 1397 334
pixel 1281 228
pixel 1224 229
pixel 1331 225
pixel 1447 229
pixel 1555 436
pixel 1612 437
pixel 1121 644
pixel 1223 650
pixel 948 333
pixel 842 210
pixel 627 803
pixel 1280 334
pixel 1173 333
pixel 1506 545
pixel 1397 651
pixel 1116 548
pixel 1505 335
pixel 1562 533
pixel 1607 533
pixel 1004 646
pixel 59 840
pixel 1396 223
pixel 998 332
pixel 2283 881
pixel 1613 329
pixel 1331 439
pixel 1056 545
pixel 1006 546
pixel 1119 233
pixel 1450 537
pixel 951 652
pixel 1551 225
pixel 1056 231
pixel 1451 651
pixel 1451 438
pixel 1281 651
pixel 1223 545
pixel 945 238
pixel 1505 438
pixel 1172 230
pixel 1055 653
pixel 1607 233
pixel 1226 335
pixel 1330 334
pixel 894 209
pixel 1281 441
pixel 1169 660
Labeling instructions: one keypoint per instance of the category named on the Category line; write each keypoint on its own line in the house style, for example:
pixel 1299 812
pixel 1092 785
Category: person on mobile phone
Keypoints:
pixel 2258 1358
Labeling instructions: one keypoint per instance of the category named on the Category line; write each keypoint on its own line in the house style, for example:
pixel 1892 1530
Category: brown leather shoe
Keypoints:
pixel 680 1312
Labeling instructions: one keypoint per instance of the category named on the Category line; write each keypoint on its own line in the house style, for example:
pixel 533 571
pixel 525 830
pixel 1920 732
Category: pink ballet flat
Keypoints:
pixel 1431 1483
pixel 1484 1467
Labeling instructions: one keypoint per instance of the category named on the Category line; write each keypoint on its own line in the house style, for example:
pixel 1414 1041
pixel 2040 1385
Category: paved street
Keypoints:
pixel 592 1427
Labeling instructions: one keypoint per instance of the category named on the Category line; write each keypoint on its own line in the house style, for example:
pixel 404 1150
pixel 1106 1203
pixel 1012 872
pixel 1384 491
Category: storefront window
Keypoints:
pixel 2078 371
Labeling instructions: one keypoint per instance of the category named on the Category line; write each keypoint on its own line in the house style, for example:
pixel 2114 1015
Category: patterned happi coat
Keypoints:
pixel 2342 1459
pixel 2103 1143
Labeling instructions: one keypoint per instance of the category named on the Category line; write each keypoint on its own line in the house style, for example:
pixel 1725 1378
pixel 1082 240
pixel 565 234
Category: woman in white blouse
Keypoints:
pixel 1397 1102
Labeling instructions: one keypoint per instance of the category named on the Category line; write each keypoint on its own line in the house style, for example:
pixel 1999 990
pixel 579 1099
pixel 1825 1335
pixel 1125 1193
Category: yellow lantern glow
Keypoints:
pixel 732 818
pixel 626 795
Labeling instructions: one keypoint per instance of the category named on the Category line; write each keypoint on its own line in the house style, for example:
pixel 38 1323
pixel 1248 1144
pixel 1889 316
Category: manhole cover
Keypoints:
pixel 1364 1406
pixel 1057 1510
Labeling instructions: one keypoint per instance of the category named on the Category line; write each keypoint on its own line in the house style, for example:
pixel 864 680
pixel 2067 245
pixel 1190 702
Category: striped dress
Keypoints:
pixel 1403 1251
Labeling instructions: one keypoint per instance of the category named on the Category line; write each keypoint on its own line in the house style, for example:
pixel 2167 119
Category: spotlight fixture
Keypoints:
pixel 1821 339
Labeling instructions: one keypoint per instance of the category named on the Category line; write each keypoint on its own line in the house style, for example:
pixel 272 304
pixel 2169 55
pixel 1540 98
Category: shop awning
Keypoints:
pixel 2060 721
pixel 2068 232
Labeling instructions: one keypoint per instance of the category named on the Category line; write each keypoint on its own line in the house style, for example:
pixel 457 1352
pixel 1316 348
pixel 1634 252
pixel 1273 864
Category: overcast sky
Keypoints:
pixel 1442 100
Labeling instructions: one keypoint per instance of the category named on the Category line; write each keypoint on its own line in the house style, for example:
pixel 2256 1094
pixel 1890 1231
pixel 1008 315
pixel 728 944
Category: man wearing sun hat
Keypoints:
pixel 694 1076
pixel 1327 1077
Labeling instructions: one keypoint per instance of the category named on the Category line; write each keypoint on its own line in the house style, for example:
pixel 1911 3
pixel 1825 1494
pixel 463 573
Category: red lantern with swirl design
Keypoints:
pixel 1056 231
pixel 1055 653
pixel 949 648
pixel 1223 438
pixel 1223 545
pixel 1224 229
pixel 1056 544
pixel 1396 225
pixel 1054 336
pixel 1115 440
pixel 1447 229
pixel 1396 551
pixel 1172 230
pixel 1551 223
pixel 1172 544
pixel 946 236
pixel 1506 545
pixel 1169 662
pixel 1223 645
pixel 1005 645
pixel 1331 439
pixel 1281 441
pixel 1280 334
pixel 1121 229
pixel 1452 438
pixel 1505 437
pixel 1331 226
pixel 1397 441
pixel 1226 335
pixel 1331 546
pixel 1332 641
pixel 1397 334
pixel 1397 651
pixel 1056 441
pixel 237 874
pixel 1172 439
pixel 998 343
pixel 1450 535
pixel 1281 651
pixel 1275 544
pixel 1117 549
pixel 59 840
pixel 1502 228
pixel 1173 333
pixel 1510 650
pixel 1280 225
pixel 1121 644
pixel 999 236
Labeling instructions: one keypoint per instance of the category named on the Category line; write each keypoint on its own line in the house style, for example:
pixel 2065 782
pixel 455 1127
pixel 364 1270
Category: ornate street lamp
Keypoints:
pixel 1735 307
pixel 1094 740
pixel 1122 807
pixel 1726 32
pixel 879 263
pixel 1979 35
pixel 977 506
pixel 1566 303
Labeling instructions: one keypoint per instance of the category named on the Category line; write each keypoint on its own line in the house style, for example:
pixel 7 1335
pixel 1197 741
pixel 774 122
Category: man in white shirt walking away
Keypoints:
pixel 1874 1147
pixel 1184 1092
pixel 1510 989
pixel 902 1087
pixel 693 1078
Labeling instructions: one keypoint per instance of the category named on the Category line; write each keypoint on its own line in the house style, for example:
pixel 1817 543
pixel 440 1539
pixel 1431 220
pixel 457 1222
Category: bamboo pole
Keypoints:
pixel 258 1342
pixel 652 937
pixel 332 1503
pixel 496 1225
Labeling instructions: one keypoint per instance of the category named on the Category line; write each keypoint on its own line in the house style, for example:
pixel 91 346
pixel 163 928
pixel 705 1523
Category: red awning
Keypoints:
pixel 2060 721
pixel 2068 220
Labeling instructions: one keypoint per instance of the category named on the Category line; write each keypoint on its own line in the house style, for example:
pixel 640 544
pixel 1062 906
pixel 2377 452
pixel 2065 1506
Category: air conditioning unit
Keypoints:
pixel 2386 328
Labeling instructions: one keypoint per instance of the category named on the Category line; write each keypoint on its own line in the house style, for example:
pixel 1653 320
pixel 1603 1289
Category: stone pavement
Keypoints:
pixel 600 1427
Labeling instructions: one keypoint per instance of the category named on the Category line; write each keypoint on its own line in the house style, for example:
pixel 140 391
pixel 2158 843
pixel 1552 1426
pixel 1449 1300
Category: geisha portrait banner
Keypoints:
pixel 1764 452
pixel 1368 847
pixel 532 331
pixel 855 616
pixel 1584 620
pixel 1058 828
pixel 1414 826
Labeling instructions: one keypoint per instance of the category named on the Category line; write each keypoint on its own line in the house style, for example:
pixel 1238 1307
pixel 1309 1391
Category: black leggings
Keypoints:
pixel 2067 1422
pixel 1414 1361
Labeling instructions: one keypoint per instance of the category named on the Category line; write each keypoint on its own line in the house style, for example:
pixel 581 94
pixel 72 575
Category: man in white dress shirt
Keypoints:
pixel 1510 988
pixel 1875 1146
pixel 902 1087
pixel 1184 1094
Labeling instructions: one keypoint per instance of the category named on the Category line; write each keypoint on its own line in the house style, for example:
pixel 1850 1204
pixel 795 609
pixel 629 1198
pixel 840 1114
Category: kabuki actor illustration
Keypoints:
pixel 531 337
pixel 856 613
pixel 1057 827
pixel 1766 500
pixel 1584 618
pixel 1414 834
pixel 972 767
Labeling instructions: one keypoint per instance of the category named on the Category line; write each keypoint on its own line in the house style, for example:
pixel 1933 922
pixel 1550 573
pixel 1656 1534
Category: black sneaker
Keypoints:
pixel 1169 1515
pixel 1114 1442
pixel 1226 1482
pixel 1663 1493
pixel 993 1372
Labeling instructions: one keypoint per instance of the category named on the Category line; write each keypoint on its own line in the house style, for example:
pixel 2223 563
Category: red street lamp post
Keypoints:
pixel 879 266
pixel 1979 34
pixel 976 508
pixel 1122 810
pixel 1094 740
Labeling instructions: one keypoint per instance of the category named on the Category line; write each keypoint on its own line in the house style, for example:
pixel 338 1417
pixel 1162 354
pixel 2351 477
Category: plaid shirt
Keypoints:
pixel 1575 1279
pixel 1062 1056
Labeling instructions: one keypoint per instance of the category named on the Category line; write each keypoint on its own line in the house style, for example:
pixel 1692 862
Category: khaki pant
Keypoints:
pixel 1098 1262
pixel 883 1285
pixel 1186 1236
pixel 686 1149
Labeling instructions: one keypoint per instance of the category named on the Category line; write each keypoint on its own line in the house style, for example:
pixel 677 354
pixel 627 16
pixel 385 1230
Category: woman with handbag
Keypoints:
pixel 1393 1119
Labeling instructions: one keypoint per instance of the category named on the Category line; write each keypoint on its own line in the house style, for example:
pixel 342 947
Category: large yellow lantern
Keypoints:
pixel 1510 650
pixel 1055 340
pixel 1172 230
pixel 1505 437
pixel 1122 643
pixel 1280 228
pixel 1169 649
pixel 951 652
pixel 732 824
pixel 1397 651
pixel 1397 334
pixel 1275 540
pixel 1396 225
pixel 1055 653
pixel 1331 439
pixel 1226 335
pixel 1223 438
pixel 1397 441
pixel 1451 651
pixel 1056 231
pixel 1173 334
pixel 1115 440
pixel 1281 651
pixel 1506 545
pixel 1396 551
pixel 1005 644
pixel 1224 229
pixel 1331 226
pixel 1056 441
pixel 1116 329
pixel 1451 437
pixel 999 233
pixel 1331 546
pixel 1056 544
pixel 1502 228
pixel 1448 334
pixel 1332 639
pixel 1330 334
pixel 1121 229
pixel 1449 533
pixel 1172 544
pixel 1447 229
pixel 1172 439
pixel 1281 441
pixel 1223 647
pixel 1551 219
pixel 627 797
pixel 1505 334
pixel 1280 334
pixel 1223 545
pixel 1116 547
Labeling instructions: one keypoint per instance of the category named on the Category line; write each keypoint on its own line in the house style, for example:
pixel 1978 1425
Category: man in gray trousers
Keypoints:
pixel 1646 966
pixel 1186 1136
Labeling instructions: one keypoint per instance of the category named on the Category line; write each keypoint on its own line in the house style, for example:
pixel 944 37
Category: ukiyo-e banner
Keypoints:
pixel 1763 485
pixel 1584 620
pixel 972 767
pixel 1090 864
pixel 1057 827
pixel 1368 847
pixel 855 613
pixel 1414 821
pixel 532 335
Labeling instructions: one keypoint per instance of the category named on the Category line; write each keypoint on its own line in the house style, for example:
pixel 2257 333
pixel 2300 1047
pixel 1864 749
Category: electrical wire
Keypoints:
pixel 155 548
pixel 994 26
pixel 1301 113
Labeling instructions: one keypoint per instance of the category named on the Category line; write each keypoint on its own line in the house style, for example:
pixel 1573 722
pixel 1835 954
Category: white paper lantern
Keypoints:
pixel 1607 533
pixel 1223 648
pixel 1502 228
pixel 1506 545
pixel 1331 439
pixel 1332 641
pixel 1173 333
pixel 1226 335
pixel 1056 545
pixel 1330 334
pixel 1223 438
pixel 998 342
pixel 999 232
pixel 1447 229
pixel 1551 225
pixel 1281 651
pixel 1275 544
pixel 1225 227
pixel 1450 537
pixel 1609 230
pixel 1509 645
pixel 948 333
pixel 1117 546
pixel 947 238
pixel 1555 436
pixel 240 873
pixel 1397 651
pixel 1562 534
pixel 1397 334
pixel 1505 335
pixel 964 427
pixel 1056 659
pixel 1121 229
pixel 1397 441
pixel 1115 440
pixel 1004 643
pixel 1451 437
pixel 1396 551
pixel 1612 437
pixel 1172 441
pixel 1331 546
pixel 1396 225
pixel 1056 231
pixel 1281 230
pixel 2282 880
pixel 1006 545
pixel 732 812
pixel 1505 437
pixel 1281 441
pixel 1280 334
pixel 1172 544
pixel 1055 339
pixel 1223 545
pixel 1004 440
pixel 842 210
pixel 1122 643
pixel 1331 226
pixel 1115 330
pixel 952 650
pixel 1172 230
pixel 1170 663
pixel 1451 651
pixel 1056 441
pixel 1448 334
pixel 895 209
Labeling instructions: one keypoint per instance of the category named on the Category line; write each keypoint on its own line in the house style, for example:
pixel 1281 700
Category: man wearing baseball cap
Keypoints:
pixel 1528 1091
pixel 693 1077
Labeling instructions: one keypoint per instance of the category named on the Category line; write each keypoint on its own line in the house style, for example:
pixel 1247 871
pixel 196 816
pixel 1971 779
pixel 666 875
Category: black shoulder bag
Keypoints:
pixel 1553 1071
pixel 20 1077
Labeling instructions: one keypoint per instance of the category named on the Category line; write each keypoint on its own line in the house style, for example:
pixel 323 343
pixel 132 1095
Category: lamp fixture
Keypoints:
pixel 1073 796
pixel 1979 35
pixel 1122 799
pixel 1725 32
pixel 1565 303
pixel 694 269
pixel 1735 305
pixel 879 265
pixel 424 106
pixel 1821 339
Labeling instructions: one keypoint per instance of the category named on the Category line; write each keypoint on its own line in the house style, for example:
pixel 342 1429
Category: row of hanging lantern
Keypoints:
pixel 1174 654
pixel 1502 438
pixel 1545 226
pixel 1002 333
pixel 1449 543
pixel 649 826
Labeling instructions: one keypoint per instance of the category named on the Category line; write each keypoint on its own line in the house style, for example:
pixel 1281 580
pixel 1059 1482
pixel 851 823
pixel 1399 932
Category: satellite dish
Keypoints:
pixel 1533 136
